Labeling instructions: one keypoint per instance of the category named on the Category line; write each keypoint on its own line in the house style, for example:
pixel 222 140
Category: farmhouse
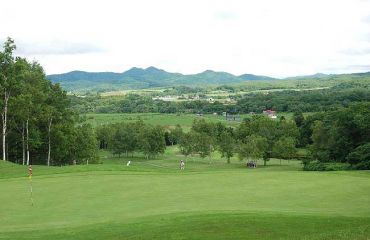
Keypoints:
pixel 270 113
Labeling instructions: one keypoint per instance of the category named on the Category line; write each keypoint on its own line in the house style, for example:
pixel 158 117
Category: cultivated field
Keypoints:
pixel 164 119
pixel 154 200
pixel 167 120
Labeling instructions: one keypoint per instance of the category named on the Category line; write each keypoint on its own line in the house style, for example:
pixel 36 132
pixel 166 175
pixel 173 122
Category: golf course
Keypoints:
pixel 185 120
pixel 153 199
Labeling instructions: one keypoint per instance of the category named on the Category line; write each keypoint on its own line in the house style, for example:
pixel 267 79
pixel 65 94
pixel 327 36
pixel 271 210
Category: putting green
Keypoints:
pixel 222 204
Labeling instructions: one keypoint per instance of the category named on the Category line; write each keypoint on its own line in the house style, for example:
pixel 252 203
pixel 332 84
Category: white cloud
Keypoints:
pixel 55 47
pixel 278 38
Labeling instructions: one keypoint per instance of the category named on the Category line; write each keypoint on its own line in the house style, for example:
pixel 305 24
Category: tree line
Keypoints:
pixel 259 137
pixel 338 136
pixel 128 138
pixel 38 126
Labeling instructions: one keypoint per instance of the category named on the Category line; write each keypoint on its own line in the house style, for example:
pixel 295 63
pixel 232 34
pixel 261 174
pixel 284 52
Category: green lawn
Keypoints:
pixel 154 200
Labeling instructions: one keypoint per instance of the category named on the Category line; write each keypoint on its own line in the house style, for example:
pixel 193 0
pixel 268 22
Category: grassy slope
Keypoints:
pixel 153 200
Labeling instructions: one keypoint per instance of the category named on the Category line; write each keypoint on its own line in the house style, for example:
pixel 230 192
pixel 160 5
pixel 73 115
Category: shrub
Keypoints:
pixel 320 166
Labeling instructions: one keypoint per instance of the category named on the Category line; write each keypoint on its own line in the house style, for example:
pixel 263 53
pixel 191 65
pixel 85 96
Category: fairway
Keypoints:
pixel 154 200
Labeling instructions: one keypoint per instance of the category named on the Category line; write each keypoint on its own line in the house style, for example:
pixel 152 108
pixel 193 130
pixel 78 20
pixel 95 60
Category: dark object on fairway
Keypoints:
pixel 252 164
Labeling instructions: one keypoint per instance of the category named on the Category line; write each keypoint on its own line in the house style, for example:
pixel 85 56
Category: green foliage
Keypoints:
pixel 359 158
pixel 340 132
pixel 187 143
pixel 125 138
pixel 227 145
pixel 253 147
pixel 303 101
pixel 130 137
pixel 298 118
pixel 206 135
pixel 279 138
pixel 175 134
pixel 152 140
pixel 320 166
pixel 37 121
pixel 85 145
pixel 284 148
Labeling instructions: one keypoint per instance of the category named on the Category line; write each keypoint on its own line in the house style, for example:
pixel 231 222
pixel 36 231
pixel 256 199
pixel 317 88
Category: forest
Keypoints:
pixel 38 126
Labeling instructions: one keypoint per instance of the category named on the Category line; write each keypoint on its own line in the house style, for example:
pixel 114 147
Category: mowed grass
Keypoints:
pixel 154 200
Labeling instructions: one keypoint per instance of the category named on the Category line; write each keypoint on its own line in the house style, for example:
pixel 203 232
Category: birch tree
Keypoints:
pixel 6 81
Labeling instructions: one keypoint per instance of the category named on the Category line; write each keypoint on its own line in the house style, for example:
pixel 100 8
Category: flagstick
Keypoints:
pixel 30 181
pixel 31 189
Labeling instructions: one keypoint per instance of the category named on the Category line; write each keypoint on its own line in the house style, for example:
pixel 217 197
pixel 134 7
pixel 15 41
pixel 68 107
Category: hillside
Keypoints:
pixel 151 77
pixel 136 78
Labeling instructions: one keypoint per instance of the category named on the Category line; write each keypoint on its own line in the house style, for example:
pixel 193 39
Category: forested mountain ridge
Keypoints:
pixel 140 78
pixel 136 78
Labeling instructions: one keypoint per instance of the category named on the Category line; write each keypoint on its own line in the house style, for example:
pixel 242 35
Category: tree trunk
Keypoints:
pixel 264 162
pixel 27 146
pixel 23 146
pixel 4 120
pixel 7 150
pixel 210 154
pixel 49 133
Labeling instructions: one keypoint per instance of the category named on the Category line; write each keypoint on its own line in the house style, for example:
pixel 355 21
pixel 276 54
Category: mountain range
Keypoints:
pixel 136 78
pixel 139 78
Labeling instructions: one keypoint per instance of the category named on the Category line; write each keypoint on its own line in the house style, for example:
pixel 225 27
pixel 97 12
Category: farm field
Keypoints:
pixel 152 199
pixel 164 119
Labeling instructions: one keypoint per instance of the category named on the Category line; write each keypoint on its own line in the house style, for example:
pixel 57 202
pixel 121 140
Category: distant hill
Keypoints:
pixel 139 78
pixel 255 77
pixel 136 78
pixel 316 75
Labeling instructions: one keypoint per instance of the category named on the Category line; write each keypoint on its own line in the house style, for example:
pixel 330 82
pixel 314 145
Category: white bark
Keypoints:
pixel 49 133
pixel 23 146
pixel 4 121
pixel 27 147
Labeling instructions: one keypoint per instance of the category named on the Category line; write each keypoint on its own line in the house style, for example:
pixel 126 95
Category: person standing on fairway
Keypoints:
pixel 182 165
pixel 128 163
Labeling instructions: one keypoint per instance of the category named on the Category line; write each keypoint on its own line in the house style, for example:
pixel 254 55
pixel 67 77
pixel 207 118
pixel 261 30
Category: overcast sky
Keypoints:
pixel 269 37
